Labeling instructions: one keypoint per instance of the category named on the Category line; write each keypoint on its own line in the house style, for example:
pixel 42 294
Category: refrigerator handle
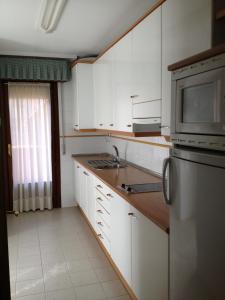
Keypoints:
pixel 165 166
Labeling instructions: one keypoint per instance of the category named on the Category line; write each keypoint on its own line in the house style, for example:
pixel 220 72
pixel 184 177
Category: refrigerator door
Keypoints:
pixel 197 230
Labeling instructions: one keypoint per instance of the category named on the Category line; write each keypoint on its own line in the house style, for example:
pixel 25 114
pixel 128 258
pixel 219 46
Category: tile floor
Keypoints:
pixel 54 256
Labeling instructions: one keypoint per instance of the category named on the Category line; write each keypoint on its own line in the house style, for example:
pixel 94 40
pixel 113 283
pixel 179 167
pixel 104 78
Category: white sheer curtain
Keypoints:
pixel 30 122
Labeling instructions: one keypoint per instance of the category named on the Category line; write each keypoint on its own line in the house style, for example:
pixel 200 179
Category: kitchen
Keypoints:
pixel 137 152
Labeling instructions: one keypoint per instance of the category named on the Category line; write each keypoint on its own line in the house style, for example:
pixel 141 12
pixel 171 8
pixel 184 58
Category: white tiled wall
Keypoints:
pixel 145 155
pixel 148 156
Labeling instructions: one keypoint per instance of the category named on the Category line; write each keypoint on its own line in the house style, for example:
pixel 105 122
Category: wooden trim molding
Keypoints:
pixel 81 136
pixel 127 133
pixel 198 57
pixel 82 61
pixel 86 130
pixel 141 142
pixel 124 282
pixel 148 12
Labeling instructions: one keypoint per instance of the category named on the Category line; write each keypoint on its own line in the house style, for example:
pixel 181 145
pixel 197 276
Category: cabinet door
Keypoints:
pixel 149 259
pixel 83 191
pixel 122 78
pixel 83 96
pixel 146 58
pixel 186 30
pixel 90 198
pixel 77 179
pixel 121 236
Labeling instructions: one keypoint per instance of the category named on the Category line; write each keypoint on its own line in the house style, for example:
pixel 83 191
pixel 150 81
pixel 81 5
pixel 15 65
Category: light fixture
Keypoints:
pixel 50 13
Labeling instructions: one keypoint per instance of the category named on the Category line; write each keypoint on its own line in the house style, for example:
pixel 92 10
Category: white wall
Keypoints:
pixel 73 146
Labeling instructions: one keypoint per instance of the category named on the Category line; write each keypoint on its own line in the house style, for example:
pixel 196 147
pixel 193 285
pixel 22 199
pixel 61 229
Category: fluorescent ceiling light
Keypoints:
pixel 50 13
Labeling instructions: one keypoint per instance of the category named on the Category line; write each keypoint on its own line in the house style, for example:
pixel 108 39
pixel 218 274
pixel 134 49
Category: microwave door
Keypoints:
pixel 197 230
pixel 200 105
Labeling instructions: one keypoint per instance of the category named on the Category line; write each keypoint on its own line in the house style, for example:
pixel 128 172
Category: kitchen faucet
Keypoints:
pixel 117 157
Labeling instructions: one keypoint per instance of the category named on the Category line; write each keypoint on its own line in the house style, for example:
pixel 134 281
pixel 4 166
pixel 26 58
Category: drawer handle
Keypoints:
pixel 99 198
pixel 164 126
pixel 85 173
pixel 100 124
pixel 100 211
pixel 100 235
pixel 109 195
pixel 100 223
pixel 111 125
pixel 128 125
pixel 99 186
pixel 134 96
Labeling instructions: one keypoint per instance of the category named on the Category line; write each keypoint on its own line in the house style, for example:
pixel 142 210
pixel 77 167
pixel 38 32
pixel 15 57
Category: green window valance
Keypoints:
pixel 27 68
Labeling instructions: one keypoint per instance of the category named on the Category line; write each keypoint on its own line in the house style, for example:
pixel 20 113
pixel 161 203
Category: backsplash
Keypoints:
pixel 145 155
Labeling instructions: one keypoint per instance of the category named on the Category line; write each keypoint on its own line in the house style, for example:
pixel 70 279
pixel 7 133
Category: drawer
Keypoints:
pixel 102 237
pixel 102 213
pixel 104 189
pixel 102 200
pixel 100 224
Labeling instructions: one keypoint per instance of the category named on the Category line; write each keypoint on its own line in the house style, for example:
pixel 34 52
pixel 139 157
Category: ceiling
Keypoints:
pixel 86 26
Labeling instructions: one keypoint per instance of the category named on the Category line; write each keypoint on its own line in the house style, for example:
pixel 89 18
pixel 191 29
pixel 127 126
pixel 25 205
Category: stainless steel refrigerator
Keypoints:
pixel 197 224
pixel 195 187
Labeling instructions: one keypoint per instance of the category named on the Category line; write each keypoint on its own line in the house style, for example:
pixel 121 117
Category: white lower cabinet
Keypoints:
pixel 138 247
pixel 77 178
pixel 121 236
pixel 149 259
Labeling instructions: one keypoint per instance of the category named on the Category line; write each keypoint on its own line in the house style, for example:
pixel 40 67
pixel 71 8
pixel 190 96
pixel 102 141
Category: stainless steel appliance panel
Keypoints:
pixel 197 228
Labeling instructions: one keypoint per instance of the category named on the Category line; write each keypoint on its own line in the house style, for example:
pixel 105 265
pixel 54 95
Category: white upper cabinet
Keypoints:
pixel 186 31
pixel 122 75
pixel 149 259
pixel 146 58
pixel 82 75
pixel 103 91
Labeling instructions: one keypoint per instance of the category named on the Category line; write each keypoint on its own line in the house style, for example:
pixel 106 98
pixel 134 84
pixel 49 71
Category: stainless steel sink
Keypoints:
pixel 105 164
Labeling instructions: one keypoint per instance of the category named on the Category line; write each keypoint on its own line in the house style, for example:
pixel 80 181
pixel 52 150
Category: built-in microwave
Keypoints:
pixel 198 104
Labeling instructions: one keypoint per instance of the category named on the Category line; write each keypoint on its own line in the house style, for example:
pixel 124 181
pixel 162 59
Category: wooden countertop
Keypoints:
pixel 152 204
pixel 198 57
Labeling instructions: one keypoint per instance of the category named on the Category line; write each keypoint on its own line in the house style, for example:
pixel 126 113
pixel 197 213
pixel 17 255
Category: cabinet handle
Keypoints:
pixel 134 96
pixel 164 126
pixel 100 235
pixel 78 167
pixel 76 125
pixel 100 223
pixel 99 186
pixel 111 125
pixel 129 125
pixel 100 211
pixel 85 173
pixel 130 214
pixel 100 124
pixel 109 195
pixel 99 198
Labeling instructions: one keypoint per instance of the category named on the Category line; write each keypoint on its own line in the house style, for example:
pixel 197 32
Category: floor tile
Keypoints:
pixel 55 269
pixel 114 288
pixel 29 287
pixel 126 297
pixel 58 282
pixel 29 261
pixel 83 278
pixel 67 294
pixel 90 292
pixel 29 273
pixel 33 297
pixel 106 274
pixel 100 262
pixel 79 265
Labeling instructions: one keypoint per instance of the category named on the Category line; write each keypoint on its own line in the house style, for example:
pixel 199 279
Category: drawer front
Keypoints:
pixel 102 237
pixel 102 213
pixel 104 189
pixel 101 225
pixel 102 200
